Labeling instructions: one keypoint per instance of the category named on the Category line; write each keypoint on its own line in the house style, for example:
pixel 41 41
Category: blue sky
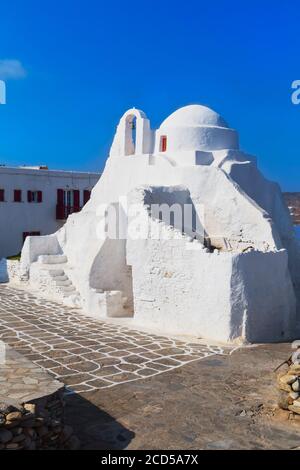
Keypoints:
pixel 86 62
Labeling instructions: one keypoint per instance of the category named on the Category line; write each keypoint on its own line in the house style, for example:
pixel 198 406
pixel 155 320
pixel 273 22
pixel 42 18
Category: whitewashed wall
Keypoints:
pixel 16 218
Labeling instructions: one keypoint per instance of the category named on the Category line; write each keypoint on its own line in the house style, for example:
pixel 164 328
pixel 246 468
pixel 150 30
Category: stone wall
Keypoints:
pixel 289 391
pixel 38 424
pixel 31 406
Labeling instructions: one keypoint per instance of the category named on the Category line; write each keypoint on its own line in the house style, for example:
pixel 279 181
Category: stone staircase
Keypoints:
pixel 49 275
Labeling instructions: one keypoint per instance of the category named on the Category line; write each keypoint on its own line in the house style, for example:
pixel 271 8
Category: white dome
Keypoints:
pixel 194 115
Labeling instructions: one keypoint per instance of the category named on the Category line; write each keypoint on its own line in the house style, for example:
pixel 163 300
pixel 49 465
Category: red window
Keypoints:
pixel 60 197
pixel 34 196
pixel 68 201
pixel 17 195
pixel 30 234
pixel 86 196
pixel 76 196
pixel 163 143
pixel 1 195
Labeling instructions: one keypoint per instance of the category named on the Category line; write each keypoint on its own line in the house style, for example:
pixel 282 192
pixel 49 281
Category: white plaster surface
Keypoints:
pixel 237 282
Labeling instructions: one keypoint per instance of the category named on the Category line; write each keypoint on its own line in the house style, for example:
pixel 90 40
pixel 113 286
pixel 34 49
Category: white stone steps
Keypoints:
pixel 52 259
pixel 60 277
pixel 55 272
pixel 49 274
pixel 69 288
pixel 62 283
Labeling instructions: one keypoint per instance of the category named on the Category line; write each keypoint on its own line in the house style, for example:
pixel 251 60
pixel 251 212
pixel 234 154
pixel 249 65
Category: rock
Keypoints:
pixel 294 395
pixel 296 386
pixel 29 423
pixel 283 400
pixel 19 438
pixel 5 436
pixel 288 379
pixel 39 422
pixel 295 368
pixel 2 419
pixel 42 431
pixel 27 442
pixel 285 387
pixel 12 424
pixel 66 433
pixel 30 432
pixel 13 446
pixel 297 402
pixel 73 443
pixel 32 445
pixel 17 431
pixel 30 407
pixel 13 416
pixel 5 408
pixel 295 409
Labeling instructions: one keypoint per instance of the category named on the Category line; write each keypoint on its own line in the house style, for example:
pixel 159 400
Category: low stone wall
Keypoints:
pixel 31 407
pixel 289 391
pixel 36 425
pixel 13 270
pixel 9 270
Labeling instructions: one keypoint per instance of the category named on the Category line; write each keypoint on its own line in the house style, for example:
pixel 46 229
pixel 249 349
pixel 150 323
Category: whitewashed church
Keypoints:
pixel 232 273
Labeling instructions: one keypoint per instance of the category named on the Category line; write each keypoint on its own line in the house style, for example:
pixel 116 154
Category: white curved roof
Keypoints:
pixel 194 115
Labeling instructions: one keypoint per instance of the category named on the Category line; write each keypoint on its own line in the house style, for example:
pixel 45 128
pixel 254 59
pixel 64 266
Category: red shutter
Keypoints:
pixel 1 195
pixel 60 208
pixel 163 143
pixel 60 212
pixel 39 196
pixel 76 200
pixel 86 196
pixel 60 197
pixel 29 196
pixel 17 195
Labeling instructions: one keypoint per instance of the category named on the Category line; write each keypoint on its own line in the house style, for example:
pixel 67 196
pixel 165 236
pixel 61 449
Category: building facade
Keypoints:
pixel 37 201
pixel 293 202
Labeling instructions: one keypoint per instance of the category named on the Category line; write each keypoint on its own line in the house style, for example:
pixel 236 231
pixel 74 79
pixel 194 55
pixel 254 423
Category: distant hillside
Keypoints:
pixel 293 202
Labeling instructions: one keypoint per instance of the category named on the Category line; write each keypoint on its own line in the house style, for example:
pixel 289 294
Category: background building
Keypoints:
pixel 37 201
pixel 293 202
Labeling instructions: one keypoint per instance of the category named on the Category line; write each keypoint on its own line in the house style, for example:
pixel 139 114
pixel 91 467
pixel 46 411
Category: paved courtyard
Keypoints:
pixel 84 353
pixel 141 391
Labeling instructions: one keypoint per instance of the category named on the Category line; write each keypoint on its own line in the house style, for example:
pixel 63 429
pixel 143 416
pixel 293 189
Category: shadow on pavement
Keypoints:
pixel 95 428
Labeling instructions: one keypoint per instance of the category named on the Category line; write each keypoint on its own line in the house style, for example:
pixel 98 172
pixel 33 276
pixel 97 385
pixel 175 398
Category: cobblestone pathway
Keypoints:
pixel 84 353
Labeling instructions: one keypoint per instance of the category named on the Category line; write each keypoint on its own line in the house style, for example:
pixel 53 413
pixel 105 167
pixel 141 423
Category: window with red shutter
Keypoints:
pixel 60 197
pixel 34 196
pixel 76 194
pixel 17 195
pixel 86 196
pixel 1 195
pixel 60 207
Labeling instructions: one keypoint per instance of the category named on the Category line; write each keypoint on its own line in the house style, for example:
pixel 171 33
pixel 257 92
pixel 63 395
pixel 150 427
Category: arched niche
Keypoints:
pixel 130 134
pixel 133 136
